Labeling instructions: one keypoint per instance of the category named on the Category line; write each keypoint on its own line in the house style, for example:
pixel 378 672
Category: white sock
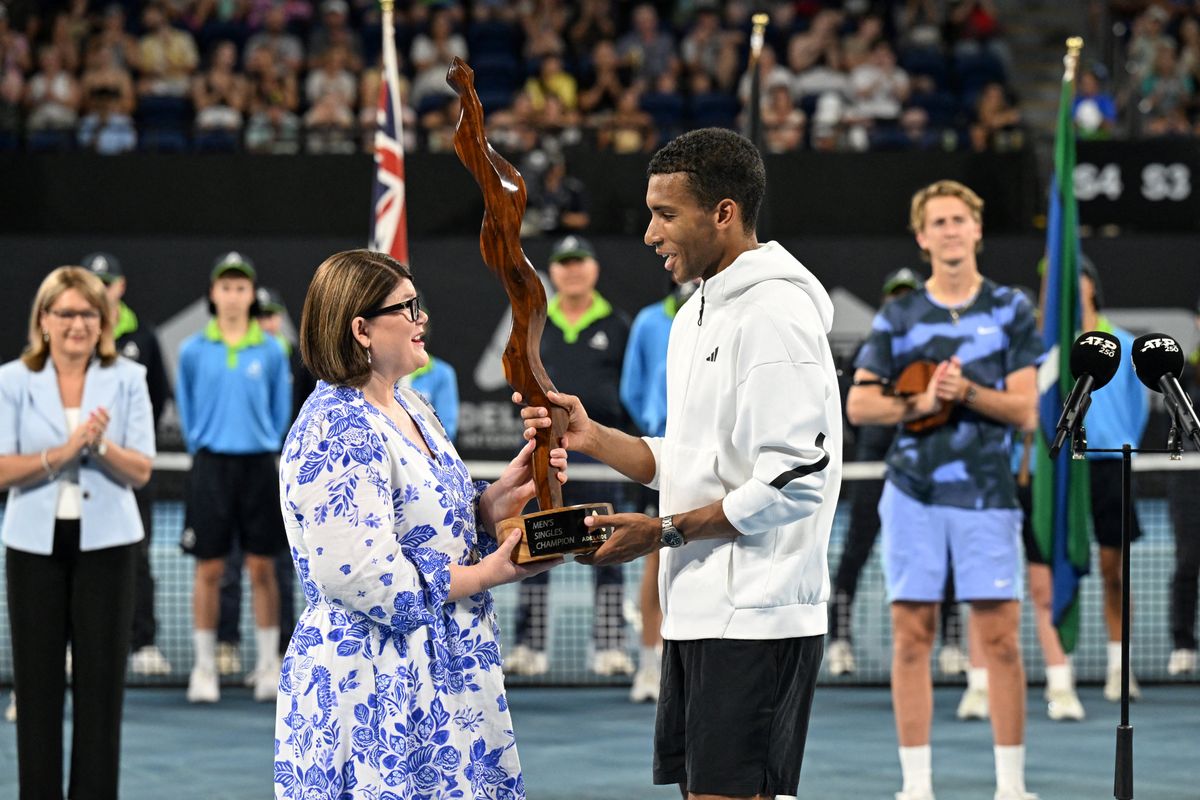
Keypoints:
pixel 267 640
pixel 1010 769
pixel 1059 678
pixel 977 678
pixel 1114 655
pixel 916 767
pixel 205 645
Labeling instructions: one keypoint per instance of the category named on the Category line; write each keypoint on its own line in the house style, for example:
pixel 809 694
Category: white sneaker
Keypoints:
pixel 524 660
pixel 1015 796
pixel 1181 662
pixel 952 660
pixel 10 713
pixel 645 684
pixel 229 658
pixel 149 660
pixel 841 658
pixel 204 686
pixel 914 796
pixel 1063 704
pixel 974 704
pixel 612 662
pixel 1112 685
pixel 266 683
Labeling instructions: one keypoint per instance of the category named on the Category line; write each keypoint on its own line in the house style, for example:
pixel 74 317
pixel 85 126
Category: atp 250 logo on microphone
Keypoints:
pixel 1165 343
pixel 1107 347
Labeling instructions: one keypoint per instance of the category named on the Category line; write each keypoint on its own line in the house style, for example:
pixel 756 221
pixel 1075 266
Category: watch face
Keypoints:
pixel 672 538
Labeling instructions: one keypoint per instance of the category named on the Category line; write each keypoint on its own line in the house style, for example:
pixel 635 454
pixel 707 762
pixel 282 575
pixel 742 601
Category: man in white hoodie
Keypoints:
pixel 748 473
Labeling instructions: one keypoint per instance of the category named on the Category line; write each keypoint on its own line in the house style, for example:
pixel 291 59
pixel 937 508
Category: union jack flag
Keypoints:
pixel 389 216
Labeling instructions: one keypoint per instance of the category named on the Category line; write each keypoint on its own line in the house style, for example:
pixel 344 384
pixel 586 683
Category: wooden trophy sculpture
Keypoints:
pixel 553 530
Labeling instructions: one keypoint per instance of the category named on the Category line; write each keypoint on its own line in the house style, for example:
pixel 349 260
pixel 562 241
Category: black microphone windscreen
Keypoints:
pixel 1156 355
pixel 1098 354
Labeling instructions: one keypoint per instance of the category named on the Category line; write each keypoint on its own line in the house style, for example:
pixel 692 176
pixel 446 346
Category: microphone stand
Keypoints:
pixel 1123 768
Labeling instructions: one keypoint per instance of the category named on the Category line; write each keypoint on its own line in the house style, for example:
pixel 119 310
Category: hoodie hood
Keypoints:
pixel 768 262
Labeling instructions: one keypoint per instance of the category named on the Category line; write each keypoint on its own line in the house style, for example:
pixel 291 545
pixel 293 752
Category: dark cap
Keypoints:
pixel 269 301
pixel 104 266
pixel 570 247
pixel 903 278
pixel 233 261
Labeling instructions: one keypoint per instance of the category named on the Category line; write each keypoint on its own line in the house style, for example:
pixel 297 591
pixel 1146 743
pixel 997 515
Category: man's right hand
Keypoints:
pixel 580 428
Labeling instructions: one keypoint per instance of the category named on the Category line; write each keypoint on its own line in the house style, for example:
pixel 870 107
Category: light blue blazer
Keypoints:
pixel 32 418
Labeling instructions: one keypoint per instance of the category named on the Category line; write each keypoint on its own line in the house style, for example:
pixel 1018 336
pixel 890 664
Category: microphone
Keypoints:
pixel 1095 357
pixel 1158 362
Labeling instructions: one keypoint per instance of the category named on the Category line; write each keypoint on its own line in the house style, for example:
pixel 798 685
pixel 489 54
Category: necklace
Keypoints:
pixel 957 311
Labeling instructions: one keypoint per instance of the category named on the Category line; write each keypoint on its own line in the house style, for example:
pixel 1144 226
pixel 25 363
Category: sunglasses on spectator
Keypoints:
pixel 412 306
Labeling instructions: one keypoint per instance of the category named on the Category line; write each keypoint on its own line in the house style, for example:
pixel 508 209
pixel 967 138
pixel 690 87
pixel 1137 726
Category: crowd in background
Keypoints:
pixel 287 76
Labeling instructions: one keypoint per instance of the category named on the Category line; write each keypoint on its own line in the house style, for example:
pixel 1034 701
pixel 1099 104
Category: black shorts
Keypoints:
pixel 733 714
pixel 1105 480
pixel 233 496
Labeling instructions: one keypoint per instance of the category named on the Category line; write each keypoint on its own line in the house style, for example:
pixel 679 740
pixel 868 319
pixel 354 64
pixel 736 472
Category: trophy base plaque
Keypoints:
pixel 557 532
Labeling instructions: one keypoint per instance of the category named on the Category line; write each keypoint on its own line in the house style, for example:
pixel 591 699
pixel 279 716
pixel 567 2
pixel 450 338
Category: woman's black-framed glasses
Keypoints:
pixel 412 306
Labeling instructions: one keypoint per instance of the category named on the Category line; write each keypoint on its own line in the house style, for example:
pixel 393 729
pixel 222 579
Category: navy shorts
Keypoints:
pixel 733 714
pixel 233 496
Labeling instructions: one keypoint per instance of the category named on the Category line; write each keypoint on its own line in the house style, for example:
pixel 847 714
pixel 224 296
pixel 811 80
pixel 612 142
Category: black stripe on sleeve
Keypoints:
pixel 808 469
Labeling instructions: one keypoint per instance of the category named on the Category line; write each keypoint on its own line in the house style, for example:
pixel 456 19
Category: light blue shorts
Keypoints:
pixel 920 541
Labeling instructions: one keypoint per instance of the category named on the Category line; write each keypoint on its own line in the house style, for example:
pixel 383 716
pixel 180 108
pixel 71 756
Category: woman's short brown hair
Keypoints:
pixel 53 286
pixel 345 286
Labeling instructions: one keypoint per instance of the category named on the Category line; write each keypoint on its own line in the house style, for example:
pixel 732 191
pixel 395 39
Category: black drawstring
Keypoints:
pixel 700 321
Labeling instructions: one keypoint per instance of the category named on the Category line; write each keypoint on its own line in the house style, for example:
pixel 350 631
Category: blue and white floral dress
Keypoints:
pixel 387 691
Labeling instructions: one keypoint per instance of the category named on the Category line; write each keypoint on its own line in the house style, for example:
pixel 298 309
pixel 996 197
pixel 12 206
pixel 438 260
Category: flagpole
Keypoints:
pixel 391 65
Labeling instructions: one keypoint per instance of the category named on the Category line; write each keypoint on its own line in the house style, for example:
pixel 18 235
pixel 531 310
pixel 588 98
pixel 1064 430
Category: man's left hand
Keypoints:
pixel 635 535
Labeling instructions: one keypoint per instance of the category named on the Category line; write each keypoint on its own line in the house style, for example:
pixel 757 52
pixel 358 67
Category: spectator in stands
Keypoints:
pixel 545 25
pixel 52 94
pixel 1189 47
pixel 67 38
pixel 858 47
pixel 600 91
pixel 997 124
pixel 213 21
pixel 219 94
pixel 646 49
pixel 331 92
pixel 234 395
pixel 335 30
pixel 286 47
pixel 819 45
pixel 770 73
pixel 136 340
pixel 628 129
pixel 108 102
pixel 552 79
pixel 14 47
pixel 824 77
pixel 439 122
pixel 975 27
pixel 594 22
pixel 558 201
pixel 273 126
pixel 919 24
pixel 112 35
pixel 1147 39
pixel 514 128
pixel 368 110
pixel 1095 109
pixel 12 92
pixel 583 350
pixel 783 123
pixel 879 87
pixel 701 47
pixel 431 54
pixel 77 437
pixel 915 131
pixel 1165 95
pixel 167 56
pixel 1184 503
pixel 297 13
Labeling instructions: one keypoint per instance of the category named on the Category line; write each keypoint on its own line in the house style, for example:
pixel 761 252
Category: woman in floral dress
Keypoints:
pixel 391 687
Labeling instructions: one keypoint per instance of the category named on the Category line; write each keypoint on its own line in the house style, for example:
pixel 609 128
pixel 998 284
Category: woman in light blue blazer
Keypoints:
pixel 76 437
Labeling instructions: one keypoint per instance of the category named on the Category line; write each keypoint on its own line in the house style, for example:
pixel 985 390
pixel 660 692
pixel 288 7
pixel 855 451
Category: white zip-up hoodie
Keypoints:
pixel 753 418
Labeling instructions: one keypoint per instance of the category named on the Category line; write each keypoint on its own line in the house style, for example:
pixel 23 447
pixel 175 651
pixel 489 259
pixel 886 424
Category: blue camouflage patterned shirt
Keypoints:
pixel 964 463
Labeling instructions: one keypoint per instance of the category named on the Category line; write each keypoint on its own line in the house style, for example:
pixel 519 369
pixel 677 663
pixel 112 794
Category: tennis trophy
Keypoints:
pixel 554 530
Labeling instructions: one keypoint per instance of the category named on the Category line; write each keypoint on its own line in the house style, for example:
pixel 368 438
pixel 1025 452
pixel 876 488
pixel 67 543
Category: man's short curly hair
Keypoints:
pixel 719 164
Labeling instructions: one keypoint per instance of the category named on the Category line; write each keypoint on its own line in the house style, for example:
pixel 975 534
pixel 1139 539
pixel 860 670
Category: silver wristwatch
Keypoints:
pixel 671 537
